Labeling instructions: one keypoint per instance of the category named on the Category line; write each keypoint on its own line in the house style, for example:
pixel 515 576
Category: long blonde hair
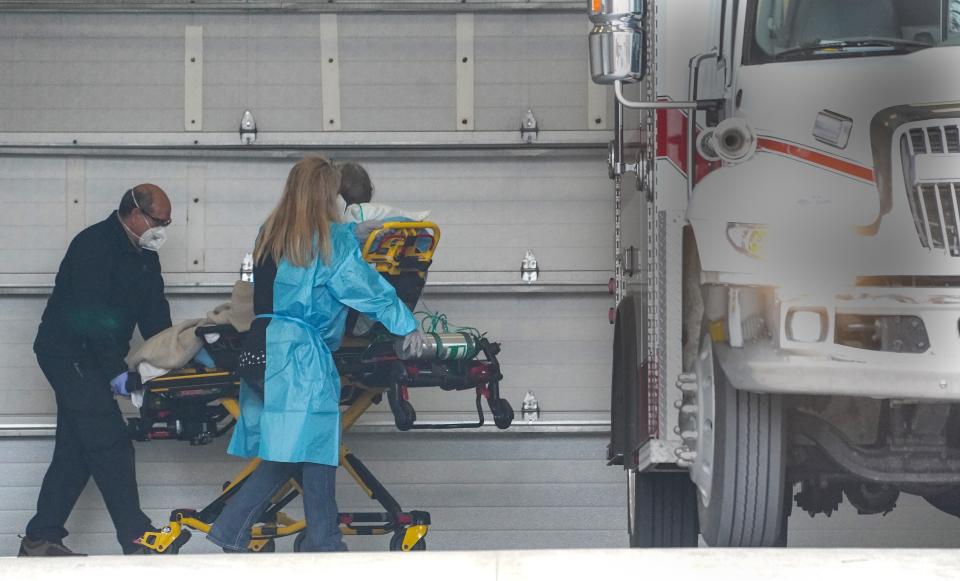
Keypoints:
pixel 300 224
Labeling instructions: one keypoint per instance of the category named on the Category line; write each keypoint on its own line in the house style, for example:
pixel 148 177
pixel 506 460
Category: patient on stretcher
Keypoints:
pixel 356 193
pixel 211 372
pixel 178 346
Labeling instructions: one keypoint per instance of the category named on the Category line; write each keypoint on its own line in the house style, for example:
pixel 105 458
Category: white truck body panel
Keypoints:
pixel 816 203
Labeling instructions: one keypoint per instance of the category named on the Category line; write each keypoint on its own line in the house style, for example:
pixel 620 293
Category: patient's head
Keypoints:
pixel 355 185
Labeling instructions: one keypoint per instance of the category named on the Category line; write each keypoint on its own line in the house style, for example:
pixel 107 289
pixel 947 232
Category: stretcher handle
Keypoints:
pixel 424 225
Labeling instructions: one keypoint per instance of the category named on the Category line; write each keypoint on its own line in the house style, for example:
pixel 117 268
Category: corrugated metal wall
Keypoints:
pixel 125 73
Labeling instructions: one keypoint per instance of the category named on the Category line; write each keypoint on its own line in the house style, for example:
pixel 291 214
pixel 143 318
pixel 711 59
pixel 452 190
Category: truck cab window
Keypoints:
pixel 817 29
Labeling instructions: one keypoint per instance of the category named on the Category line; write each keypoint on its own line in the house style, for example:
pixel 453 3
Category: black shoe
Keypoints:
pixel 41 548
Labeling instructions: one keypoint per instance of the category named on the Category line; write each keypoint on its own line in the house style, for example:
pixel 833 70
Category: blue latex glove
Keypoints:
pixel 119 384
pixel 203 357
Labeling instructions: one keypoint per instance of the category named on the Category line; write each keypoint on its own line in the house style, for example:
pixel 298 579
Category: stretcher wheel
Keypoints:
pixel 502 413
pixel 404 415
pixel 396 542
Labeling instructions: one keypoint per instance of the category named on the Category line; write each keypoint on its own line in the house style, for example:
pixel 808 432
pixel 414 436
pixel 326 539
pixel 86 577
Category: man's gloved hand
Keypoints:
pixel 119 384
pixel 413 345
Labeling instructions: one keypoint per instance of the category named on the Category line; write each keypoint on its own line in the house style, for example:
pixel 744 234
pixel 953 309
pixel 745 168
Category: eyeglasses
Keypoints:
pixel 157 221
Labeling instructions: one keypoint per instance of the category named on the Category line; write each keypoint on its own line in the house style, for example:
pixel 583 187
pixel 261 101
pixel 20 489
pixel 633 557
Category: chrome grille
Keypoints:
pixel 934 205
pixel 937 139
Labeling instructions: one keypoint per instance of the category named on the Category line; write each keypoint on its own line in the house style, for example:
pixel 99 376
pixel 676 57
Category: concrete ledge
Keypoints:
pixel 580 565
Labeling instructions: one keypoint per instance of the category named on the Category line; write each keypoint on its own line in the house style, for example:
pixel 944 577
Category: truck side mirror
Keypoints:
pixel 617 49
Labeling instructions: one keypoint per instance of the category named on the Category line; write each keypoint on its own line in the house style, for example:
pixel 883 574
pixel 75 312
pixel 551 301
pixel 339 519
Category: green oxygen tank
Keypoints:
pixel 450 346
pixel 445 347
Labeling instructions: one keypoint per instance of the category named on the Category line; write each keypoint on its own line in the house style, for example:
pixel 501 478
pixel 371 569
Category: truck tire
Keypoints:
pixel 662 511
pixel 747 505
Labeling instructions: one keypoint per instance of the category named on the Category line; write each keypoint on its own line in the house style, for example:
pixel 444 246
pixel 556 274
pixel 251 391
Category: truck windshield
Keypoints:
pixel 785 30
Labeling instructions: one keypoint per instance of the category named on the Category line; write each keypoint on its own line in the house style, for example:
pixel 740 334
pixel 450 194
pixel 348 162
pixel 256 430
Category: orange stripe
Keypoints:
pixel 817 158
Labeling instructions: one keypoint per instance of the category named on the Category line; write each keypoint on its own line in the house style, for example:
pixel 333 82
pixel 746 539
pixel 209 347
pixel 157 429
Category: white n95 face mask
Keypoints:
pixel 153 238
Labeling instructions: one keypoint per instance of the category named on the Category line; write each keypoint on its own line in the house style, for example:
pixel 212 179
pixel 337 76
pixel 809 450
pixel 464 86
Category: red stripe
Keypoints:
pixel 672 142
pixel 817 158
pixel 672 145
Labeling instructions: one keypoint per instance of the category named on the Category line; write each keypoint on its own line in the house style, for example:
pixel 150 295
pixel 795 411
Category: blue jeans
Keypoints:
pixel 231 530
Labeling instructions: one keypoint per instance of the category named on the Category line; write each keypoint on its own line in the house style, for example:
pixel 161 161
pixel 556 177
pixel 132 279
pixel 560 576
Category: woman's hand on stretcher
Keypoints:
pixel 412 345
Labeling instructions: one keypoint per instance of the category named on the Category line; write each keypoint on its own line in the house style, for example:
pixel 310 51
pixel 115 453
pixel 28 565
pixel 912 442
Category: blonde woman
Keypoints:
pixel 308 271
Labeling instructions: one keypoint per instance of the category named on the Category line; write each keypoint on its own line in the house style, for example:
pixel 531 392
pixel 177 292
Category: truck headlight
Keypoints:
pixel 748 239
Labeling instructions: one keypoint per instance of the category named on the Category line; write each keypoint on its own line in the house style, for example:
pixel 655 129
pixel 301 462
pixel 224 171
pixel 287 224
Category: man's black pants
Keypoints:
pixel 92 441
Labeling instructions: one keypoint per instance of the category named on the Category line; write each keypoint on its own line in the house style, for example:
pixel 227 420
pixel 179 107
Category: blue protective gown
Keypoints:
pixel 299 418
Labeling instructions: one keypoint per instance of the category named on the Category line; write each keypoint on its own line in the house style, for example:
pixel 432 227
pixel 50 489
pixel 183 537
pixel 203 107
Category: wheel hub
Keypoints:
pixel 697 420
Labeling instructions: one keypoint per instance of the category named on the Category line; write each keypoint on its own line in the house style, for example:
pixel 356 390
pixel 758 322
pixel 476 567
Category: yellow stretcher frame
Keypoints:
pixel 388 247
pixel 391 255
pixel 262 535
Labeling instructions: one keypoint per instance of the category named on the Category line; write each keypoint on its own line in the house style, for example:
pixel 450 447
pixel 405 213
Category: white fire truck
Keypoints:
pixel 788 265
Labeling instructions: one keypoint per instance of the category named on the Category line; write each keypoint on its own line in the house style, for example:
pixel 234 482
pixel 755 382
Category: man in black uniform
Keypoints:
pixel 109 281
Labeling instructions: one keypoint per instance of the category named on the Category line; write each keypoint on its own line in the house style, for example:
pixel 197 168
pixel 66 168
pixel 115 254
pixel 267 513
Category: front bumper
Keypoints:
pixel 779 365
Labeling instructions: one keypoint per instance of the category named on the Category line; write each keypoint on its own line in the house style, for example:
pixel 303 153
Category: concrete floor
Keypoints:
pixel 580 565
